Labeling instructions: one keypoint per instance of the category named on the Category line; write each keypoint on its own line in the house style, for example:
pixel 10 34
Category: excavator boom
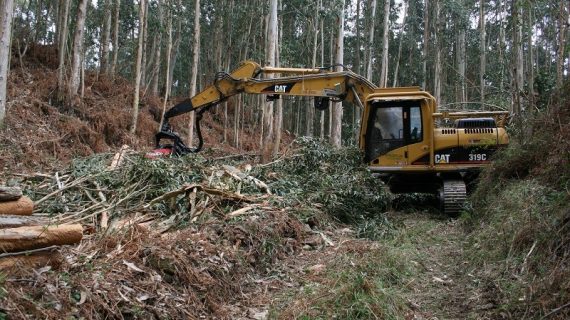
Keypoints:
pixel 247 78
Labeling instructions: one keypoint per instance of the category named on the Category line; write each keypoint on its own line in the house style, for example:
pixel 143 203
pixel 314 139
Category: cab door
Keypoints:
pixel 386 134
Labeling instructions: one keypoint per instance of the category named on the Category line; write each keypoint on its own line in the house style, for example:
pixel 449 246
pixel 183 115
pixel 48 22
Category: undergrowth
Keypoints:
pixel 520 221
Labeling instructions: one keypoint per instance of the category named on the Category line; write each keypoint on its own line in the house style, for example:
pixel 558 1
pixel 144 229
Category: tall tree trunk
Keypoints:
pixel 175 47
pixel 158 53
pixel 136 97
pixel 356 111
pixel 62 48
pixel 502 47
pixel 116 23
pixel 426 44
pixel 142 83
pixel 483 50
pixel 194 72
pixel 517 58
pixel 267 142
pixel 562 27
pixel 310 111
pixel 5 40
pixel 437 43
pixel 461 67
pixel 385 45
pixel 322 118
pixel 167 83
pixel 279 103
pixel 75 76
pixel 395 83
pixel 530 60
pixel 336 134
pixel 106 35
pixel 370 46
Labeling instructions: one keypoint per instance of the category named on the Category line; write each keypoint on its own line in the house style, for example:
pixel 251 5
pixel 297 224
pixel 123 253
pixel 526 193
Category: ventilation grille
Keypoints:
pixel 479 130
pixel 448 131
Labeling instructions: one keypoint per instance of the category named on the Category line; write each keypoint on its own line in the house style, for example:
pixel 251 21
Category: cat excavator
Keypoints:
pixel 405 140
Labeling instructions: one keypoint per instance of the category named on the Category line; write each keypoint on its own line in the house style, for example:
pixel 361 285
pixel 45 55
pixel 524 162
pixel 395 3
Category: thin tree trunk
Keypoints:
pixel 426 44
pixel 75 76
pixel 322 118
pixel 279 103
pixel 395 83
pixel 371 41
pixel 517 59
pixel 310 110
pixel 175 48
pixel 62 48
pixel 145 41
pixel 116 23
pixel 268 132
pixel 483 50
pixel 158 53
pixel 461 67
pixel 5 40
pixel 167 84
pixel 436 40
pixel 356 111
pixel 502 48
pixel 194 72
pixel 336 134
pixel 562 26
pixel 385 45
pixel 106 37
pixel 138 66
pixel 332 62
pixel 530 80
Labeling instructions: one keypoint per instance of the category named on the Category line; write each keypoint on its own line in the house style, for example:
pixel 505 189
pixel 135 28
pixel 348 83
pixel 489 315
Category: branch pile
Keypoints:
pixel 187 237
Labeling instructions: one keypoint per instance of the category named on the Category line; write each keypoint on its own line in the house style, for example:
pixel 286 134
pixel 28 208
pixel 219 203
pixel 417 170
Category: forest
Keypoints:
pixel 279 217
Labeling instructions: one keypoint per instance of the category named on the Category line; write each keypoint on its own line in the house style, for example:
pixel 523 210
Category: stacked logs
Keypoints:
pixel 22 234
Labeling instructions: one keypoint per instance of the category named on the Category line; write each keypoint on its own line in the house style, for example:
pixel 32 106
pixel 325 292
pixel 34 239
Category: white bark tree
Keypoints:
pixel 385 45
pixel 194 72
pixel 116 23
pixel 136 96
pixel 336 128
pixel 62 46
pixel 483 49
pixel 5 39
pixel 268 134
pixel 371 41
pixel 105 37
pixel 75 76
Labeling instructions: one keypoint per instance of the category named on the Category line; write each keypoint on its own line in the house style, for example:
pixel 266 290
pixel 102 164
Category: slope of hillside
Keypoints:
pixel 42 133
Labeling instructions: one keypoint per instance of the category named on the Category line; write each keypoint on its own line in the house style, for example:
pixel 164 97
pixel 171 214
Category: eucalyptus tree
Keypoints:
pixel 5 41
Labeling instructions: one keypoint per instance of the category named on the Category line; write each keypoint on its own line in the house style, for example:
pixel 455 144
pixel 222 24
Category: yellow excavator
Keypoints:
pixel 405 140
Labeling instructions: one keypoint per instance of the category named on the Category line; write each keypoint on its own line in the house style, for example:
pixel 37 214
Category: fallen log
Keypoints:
pixel 13 221
pixel 10 193
pixel 13 264
pixel 33 237
pixel 21 207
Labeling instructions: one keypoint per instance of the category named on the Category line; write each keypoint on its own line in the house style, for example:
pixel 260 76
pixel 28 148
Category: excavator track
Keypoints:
pixel 452 196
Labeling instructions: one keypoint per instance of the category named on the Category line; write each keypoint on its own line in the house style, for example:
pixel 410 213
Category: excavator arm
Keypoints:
pixel 247 78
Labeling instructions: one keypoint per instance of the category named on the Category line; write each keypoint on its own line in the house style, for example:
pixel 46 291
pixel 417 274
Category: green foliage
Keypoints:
pixel 335 180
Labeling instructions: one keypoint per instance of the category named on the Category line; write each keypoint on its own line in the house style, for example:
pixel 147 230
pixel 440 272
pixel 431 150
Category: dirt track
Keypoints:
pixel 441 285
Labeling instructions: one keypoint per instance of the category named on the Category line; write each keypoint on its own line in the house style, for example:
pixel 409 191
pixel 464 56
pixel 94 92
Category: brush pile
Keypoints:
pixel 189 237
